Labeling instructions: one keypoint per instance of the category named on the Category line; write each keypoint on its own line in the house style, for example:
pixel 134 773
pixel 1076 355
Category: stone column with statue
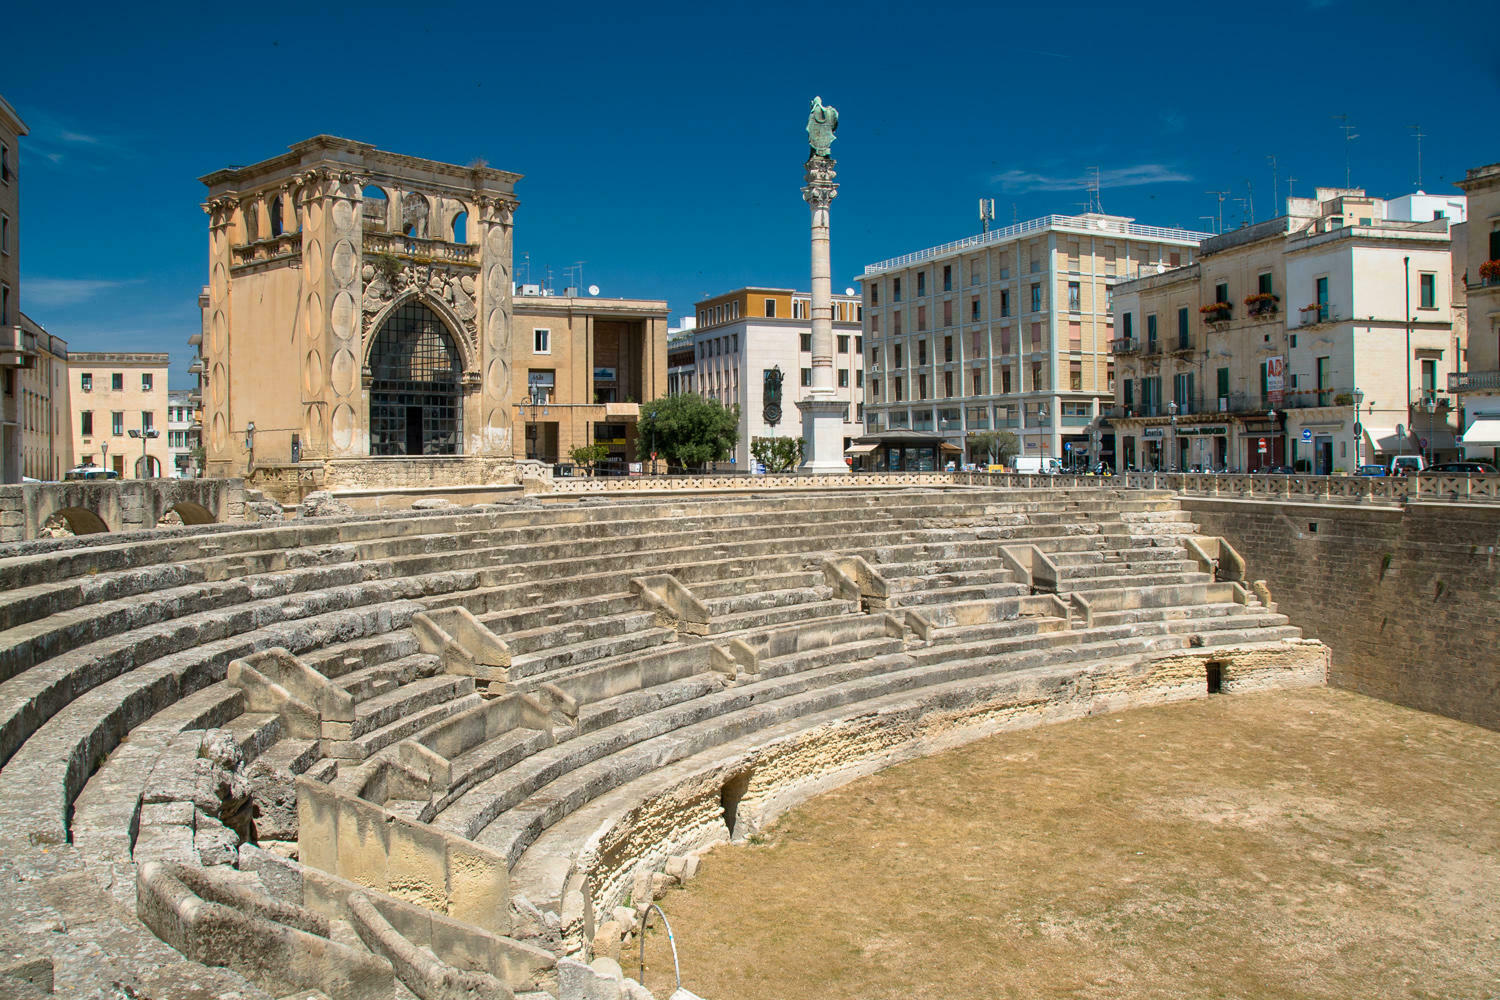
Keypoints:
pixel 823 416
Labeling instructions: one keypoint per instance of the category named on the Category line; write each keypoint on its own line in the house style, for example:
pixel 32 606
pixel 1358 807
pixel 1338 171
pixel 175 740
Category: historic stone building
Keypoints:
pixel 42 410
pixel 16 348
pixel 360 305
pixel 1476 270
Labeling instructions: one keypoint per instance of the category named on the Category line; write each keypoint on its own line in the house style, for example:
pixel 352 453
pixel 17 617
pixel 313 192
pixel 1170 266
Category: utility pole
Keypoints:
pixel 1417 131
pixel 1349 137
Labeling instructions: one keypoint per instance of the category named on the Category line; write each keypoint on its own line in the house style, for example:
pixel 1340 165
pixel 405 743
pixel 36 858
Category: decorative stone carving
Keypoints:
pixel 452 286
pixel 414 209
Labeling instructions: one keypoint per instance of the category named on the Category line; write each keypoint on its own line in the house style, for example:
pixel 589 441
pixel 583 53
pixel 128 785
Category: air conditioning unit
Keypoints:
pixel 530 290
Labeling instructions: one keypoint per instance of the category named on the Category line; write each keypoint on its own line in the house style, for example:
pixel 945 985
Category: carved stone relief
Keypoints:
pixel 452 286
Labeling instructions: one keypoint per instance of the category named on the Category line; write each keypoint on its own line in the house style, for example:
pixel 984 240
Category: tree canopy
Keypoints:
pixel 777 454
pixel 995 447
pixel 688 430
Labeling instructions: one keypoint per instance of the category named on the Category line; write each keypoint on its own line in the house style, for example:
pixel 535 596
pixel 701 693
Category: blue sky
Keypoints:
pixel 663 146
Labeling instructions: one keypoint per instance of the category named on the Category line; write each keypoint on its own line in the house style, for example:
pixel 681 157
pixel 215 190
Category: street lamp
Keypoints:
pixel 1359 431
pixel 1172 455
pixel 145 435
pixel 104 459
pixel 1271 416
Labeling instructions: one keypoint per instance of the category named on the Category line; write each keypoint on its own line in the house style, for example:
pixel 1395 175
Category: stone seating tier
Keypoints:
pixel 812 610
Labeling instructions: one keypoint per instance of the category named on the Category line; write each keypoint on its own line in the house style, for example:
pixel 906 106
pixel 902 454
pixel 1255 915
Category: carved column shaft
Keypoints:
pixel 819 194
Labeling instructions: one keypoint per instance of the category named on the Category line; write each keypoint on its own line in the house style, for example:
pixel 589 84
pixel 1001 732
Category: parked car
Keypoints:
pixel 90 472
pixel 1464 469
pixel 1403 465
pixel 1276 470
pixel 1371 470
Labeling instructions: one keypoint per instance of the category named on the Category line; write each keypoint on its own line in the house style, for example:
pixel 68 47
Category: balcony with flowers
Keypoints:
pixel 1489 273
pixel 1262 304
pixel 1216 312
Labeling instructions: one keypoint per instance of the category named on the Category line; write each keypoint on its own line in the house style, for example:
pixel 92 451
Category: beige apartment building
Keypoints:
pixel 42 410
pixel 1010 329
pixel 582 367
pixel 360 307
pixel 119 418
pixel 1477 271
pixel 1255 355
pixel 752 348
pixel 17 351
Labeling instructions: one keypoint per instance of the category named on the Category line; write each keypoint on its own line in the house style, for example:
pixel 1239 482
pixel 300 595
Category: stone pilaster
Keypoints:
pixel 218 438
pixel 496 243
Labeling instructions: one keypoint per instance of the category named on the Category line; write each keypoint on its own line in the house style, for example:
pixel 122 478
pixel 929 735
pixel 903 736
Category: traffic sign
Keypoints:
pixel 1262 446
pixel 1307 433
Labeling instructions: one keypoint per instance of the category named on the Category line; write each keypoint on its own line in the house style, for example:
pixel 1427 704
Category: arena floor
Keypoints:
pixel 1308 843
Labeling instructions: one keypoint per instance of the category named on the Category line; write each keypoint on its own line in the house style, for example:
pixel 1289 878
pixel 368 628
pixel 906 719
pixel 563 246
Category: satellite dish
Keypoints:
pixel 848 291
pixel 593 289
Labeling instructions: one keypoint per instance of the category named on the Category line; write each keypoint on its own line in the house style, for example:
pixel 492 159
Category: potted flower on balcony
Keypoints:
pixel 1489 272
pixel 1216 312
pixel 1262 304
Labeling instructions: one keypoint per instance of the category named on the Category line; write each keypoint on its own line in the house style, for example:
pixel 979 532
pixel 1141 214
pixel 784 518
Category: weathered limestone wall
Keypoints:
pixel 1407 599
pixel 117 504
pixel 290 483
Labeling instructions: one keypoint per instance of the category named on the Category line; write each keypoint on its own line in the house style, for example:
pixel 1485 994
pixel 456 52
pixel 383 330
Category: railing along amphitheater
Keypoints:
pixel 456 753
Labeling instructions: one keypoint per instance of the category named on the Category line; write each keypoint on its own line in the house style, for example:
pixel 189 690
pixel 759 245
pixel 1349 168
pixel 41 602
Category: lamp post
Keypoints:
pixel 1271 416
pixel 1406 281
pixel 1172 455
pixel 104 455
pixel 145 434
pixel 1359 431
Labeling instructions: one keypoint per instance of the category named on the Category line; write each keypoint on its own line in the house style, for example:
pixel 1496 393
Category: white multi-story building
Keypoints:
pixel 744 338
pixel 182 435
pixel 1008 330
pixel 1423 207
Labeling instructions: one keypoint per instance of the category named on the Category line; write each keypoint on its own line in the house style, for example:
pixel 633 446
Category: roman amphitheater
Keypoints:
pixel 457 752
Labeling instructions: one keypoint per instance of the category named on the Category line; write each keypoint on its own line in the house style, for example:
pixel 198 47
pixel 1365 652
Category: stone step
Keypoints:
pixel 574 631
pixel 842 654
pixel 422 692
pixel 750 601
pixel 564 655
pixel 939 594
pixel 709 590
pixel 367 683
pixel 745 621
pixel 424 709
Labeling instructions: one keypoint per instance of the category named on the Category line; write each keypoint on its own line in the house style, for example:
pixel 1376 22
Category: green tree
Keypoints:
pixel 588 455
pixel 995 447
pixel 688 430
pixel 778 454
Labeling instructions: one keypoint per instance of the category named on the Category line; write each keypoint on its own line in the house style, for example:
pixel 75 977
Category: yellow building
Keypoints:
pixel 582 367
pixel 1007 330
pixel 1254 356
pixel 119 411
pixel 43 413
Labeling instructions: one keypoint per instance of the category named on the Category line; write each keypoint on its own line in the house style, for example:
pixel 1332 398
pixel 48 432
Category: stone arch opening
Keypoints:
pixel 80 520
pixel 376 208
pixel 460 228
pixel 729 800
pixel 148 468
pixel 414 212
pixel 415 400
pixel 276 223
pixel 192 513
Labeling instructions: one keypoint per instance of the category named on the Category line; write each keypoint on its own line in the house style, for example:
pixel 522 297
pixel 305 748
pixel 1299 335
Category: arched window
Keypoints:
pixel 461 227
pixel 376 208
pixel 276 216
pixel 414 393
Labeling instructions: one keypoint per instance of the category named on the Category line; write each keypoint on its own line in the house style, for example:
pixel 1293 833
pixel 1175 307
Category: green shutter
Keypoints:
pixel 1223 381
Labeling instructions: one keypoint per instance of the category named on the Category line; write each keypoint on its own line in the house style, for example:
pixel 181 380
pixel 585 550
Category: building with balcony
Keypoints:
pixel 182 434
pixel 16 346
pixel 42 411
pixel 1011 329
pixel 582 367
pixel 119 411
pixel 682 358
pixel 1254 356
pixel 753 349
pixel 1478 272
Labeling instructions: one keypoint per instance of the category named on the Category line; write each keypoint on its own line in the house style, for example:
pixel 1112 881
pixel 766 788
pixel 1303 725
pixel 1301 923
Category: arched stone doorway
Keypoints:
pixel 415 369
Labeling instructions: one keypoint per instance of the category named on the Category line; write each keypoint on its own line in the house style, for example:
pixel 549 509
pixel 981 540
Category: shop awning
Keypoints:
pixel 1386 438
pixel 952 447
pixel 1484 432
pixel 854 451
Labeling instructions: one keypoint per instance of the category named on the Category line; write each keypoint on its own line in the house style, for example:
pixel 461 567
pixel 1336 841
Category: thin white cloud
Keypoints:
pixel 53 292
pixel 63 145
pixel 1142 173
pixel 79 137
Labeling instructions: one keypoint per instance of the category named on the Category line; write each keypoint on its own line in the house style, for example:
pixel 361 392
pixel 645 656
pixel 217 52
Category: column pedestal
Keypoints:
pixel 823 431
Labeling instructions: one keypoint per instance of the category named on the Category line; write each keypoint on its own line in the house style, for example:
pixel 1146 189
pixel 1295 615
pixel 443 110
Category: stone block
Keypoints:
pixel 577 981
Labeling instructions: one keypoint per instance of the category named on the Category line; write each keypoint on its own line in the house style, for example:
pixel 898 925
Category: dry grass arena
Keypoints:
pixel 1308 843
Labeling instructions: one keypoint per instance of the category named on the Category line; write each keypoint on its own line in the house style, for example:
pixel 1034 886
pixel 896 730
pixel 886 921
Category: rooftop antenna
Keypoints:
pixel 1209 219
pixel 986 214
pixel 1289 182
pixel 524 270
pixel 1349 137
pixel 1417 131
pixel 1096 204
pixel 547 284
pixel 1221 195
pixel 1242 202
pixel 1250 196
pixel 1015 213
pixel 574 272
pixel 1275 182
